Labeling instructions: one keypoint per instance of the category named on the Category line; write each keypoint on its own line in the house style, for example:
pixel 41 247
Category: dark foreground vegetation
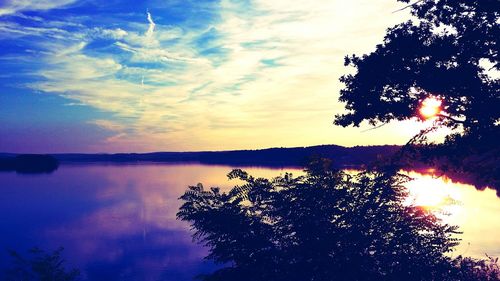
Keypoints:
pixel 326 225
pixel 39 265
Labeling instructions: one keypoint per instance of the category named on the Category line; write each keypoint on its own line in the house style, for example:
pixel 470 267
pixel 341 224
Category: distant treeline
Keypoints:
pixel 28 163
pixel 297 156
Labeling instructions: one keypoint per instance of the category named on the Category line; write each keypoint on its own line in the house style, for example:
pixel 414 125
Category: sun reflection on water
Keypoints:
pixel 123 217
pixel 436 193
pixel 475 212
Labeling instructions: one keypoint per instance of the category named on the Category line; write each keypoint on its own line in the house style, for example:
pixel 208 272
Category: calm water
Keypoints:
pixel 117 222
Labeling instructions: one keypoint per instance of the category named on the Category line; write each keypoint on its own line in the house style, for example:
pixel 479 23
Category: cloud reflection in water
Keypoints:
pixel 117 222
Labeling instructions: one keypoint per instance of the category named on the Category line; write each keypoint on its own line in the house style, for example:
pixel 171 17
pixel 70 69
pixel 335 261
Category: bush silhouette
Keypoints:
pixel 325 225
pixel 39 266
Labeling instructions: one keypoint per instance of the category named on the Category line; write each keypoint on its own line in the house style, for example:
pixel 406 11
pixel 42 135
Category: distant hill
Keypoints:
pixel 295 156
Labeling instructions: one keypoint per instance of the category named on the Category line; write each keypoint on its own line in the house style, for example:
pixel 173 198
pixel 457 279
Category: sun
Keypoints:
pixel 430 107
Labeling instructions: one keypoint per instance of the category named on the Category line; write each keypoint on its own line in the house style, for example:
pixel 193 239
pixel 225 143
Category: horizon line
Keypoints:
pixel 195 151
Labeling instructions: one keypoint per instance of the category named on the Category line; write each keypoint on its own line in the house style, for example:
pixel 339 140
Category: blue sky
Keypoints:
pixel 110 76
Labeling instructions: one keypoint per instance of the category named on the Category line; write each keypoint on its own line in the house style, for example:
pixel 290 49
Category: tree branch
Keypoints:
pixel 407 6
pixel 452 119
pixel 373 128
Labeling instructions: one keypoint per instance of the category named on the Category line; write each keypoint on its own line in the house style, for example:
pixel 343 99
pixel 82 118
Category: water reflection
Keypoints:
pixel 476 212
pixel 118 222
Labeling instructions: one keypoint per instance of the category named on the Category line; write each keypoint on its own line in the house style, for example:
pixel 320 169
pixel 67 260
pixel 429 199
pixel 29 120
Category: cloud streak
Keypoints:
pixel 151 27
pixel 256 75
pixel 15 6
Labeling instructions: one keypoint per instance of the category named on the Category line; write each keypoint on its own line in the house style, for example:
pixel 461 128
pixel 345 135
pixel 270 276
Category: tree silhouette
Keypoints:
pixel 326 225
pixel 332 225
pixel 448 51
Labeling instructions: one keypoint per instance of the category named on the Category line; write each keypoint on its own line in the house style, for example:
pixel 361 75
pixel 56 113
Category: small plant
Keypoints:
pixel 40 266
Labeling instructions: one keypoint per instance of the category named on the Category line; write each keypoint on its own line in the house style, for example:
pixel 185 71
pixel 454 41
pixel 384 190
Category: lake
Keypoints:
pixel 117 222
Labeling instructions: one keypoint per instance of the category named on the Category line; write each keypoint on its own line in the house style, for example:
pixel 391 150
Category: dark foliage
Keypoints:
pixel 468 269
pixel 40 266
pixel 445 53
pixel 471 159
pixel 326 225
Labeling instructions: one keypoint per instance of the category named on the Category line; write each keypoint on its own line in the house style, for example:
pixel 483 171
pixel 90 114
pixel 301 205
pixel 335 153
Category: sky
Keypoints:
pixel 183 75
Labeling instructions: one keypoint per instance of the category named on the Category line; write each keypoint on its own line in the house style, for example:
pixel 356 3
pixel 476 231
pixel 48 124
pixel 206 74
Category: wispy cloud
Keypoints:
pixel 116 33
pixel 261 73
pixel 12 7
pixel 151 27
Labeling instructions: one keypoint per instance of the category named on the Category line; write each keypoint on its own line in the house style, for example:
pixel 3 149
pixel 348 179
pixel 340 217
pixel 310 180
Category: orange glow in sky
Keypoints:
pixel 431 106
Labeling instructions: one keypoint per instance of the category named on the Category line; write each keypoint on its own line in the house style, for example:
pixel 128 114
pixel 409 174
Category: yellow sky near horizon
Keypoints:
pixel 204 76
